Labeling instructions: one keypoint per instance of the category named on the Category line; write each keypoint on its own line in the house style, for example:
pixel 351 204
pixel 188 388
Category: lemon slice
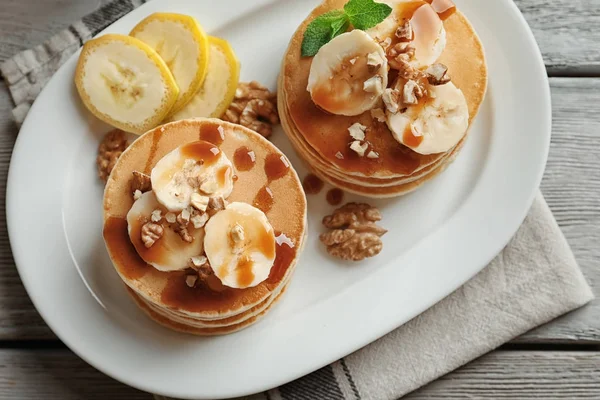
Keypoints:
pixel 220 84
pixel 125 83
pixel 181 42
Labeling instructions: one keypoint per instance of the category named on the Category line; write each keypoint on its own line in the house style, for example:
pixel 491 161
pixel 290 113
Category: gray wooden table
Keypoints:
pixel 559 360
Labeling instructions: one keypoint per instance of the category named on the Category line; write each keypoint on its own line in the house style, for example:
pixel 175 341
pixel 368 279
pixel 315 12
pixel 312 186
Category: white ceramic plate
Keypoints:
pixel 439 237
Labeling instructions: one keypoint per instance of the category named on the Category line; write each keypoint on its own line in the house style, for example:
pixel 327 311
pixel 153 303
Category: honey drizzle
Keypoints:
pixel 212 134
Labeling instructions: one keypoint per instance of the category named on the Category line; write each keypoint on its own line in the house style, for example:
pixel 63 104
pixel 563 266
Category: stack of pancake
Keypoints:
pixel 209 308
pixel 322 140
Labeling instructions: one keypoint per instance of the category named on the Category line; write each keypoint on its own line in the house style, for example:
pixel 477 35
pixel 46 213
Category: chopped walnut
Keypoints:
pixel 109 151
pixel 385 43
pixel 357 131
pixel 199 220
pixel 137 195
pixel 399 57
pixel 339 155
pixel 374 62
pixel 151 232
pixel 183 219
pixel 184 234
pixel 373 154
pixel 191 279
pixel 199 202
pixel 140 182
pixel 156 216
pixel 260 116
pixel 412 92
pixel 359 148
pixel 404 31
pixel 216 203
pixel 254 107
pixel 209 186
pixel 237 233
pixel 355 234
pixel 198 261
pixel 437 74
pixel 390 99
pixel 171 217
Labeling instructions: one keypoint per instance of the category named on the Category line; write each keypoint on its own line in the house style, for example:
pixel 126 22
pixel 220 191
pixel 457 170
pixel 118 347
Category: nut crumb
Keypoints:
pixel 437 74
pixel 190 280
pixel 373 85
pixel 373 154
pixel 199 220
pixel 357 131
pixel 404 31
pixel 359 148
pixel 156 216
pixel 112 146
pixel 199 202
pixel 137 195
pixel 355 234
pixel 216 203
pixel 237 234
pixel 141 182
pixel 390 99
pixel 151 232
pixel 411 93
pixel 374 62
pixel 184 234
pixel 198 261
pixel 171 217
pixel 339 155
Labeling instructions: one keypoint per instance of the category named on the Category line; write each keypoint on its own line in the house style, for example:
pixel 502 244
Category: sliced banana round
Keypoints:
pixel 349 74
pixel 218 89
pixel 436 124
pixel 125 83
pixel 240 245
pixel 197 167
pixel 169 252
pixel 428 33
pixel 182 44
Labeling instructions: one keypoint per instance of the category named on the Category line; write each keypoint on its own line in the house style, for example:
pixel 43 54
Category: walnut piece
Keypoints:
pixel 191 279
pixel 109 151
pixel 151 232
pixel 260 116
pixel 412 92
pixel 404 31
pixel 437 74
pixel 254 107
pixel 399 57
pixel 355 234
pixel 141 182
pixel 216 203
pixel 390 99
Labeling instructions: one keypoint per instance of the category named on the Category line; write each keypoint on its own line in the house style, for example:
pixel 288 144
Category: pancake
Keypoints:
pixel 327 134
pixel 201 331
pixel 286 211
pixel 312 159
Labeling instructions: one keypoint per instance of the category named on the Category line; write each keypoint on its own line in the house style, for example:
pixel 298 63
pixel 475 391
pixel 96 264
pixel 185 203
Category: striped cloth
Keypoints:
pixel 534 280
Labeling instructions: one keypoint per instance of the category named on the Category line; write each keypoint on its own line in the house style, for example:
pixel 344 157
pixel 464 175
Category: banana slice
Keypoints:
pixel 429 35
pixel 181 42
pixel 240 245
pixel 436 124
pixel 197 167
pixel 125 83
pixel 349 74
pixel 170 252
pixel 218 89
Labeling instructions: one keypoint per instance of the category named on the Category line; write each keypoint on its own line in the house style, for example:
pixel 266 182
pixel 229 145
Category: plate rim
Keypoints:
pixel 76 346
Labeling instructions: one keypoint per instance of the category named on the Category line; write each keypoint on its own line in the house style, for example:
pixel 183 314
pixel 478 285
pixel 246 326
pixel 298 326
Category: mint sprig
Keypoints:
pixel 362 14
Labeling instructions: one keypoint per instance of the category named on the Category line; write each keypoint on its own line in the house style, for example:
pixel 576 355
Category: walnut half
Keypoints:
pixel 254 107
pixel 112 146
pixel 355 234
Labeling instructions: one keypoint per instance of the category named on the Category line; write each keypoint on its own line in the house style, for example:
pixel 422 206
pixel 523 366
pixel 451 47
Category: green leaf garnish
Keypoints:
pixel 321 30
pixel 362 14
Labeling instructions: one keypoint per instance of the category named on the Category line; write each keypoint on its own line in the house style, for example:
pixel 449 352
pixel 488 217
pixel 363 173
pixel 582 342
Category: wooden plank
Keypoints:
pixel 520 375
pixel 57 374
pixel 566 33
pixel 26 23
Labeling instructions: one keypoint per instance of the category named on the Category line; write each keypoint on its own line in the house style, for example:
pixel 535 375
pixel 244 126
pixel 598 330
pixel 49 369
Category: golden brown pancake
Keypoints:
pixel 327 134
pixel 286 211
pixel 202 331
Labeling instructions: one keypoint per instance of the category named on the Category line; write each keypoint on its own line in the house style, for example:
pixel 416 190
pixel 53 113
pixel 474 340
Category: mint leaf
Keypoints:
pixel 365 14
pixel 340 26
pixel 322 29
